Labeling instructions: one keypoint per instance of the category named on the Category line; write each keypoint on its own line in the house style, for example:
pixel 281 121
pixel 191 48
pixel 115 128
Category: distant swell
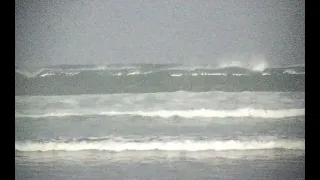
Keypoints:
pixel 206 113
pixel 182 145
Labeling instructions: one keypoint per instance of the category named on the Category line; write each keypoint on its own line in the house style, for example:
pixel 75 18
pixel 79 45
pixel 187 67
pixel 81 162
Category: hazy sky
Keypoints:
pixel 158 31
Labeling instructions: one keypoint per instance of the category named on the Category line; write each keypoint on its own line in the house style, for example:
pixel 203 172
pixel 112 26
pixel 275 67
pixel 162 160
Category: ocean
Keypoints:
pixel 159 121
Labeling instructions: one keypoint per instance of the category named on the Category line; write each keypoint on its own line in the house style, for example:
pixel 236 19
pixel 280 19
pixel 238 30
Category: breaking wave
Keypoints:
pixel 228 67
pixel 31 74
pixel 260 67
pixel 142 78
pixel 173 145
pixel 206 113
pixel 253 63
pixel 291 71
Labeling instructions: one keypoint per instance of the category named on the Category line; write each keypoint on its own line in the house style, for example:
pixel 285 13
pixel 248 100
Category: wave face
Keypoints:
pixel 160 145
pixel 146 78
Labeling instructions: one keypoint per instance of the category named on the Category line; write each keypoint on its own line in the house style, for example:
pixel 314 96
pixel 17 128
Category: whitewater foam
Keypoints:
pixel 244 112
pixel 213 74
pixel 235 68
pixel 206 113
pixel 182 145
pixel 176 75
pixel 47 74
pixel 253 63
pixel 117 74
pixel 134 73
pixel 71 73
pixel 30 74
pixel 291 71
pixel 238 74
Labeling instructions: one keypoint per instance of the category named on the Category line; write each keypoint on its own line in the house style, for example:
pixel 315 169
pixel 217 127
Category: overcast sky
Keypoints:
pixel 50 32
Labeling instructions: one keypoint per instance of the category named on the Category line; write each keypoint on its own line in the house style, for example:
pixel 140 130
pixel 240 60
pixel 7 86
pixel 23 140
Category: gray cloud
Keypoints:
pixel 178 31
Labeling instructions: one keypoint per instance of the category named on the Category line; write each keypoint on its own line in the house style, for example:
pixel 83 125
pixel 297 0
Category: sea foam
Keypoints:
pixel 177 145
pixel 205 113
